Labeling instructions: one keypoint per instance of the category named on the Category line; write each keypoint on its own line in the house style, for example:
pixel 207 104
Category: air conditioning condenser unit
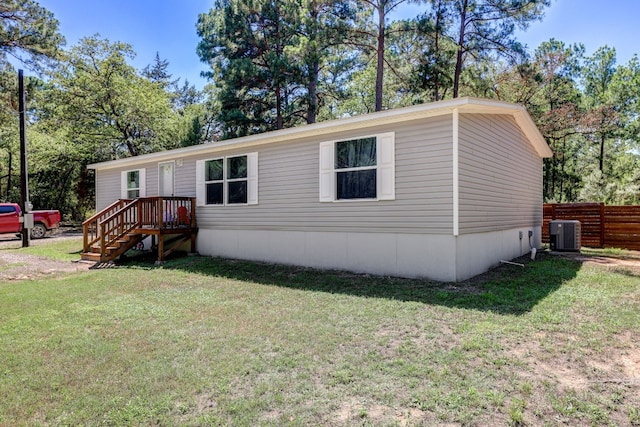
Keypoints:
pixel 564 235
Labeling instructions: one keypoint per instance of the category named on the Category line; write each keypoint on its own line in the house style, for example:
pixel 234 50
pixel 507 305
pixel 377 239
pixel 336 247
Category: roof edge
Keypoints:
pixel 397 115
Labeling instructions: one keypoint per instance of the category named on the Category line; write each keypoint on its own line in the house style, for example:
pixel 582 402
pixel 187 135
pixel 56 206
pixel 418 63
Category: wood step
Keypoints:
pixel 96 249
pixel 90 256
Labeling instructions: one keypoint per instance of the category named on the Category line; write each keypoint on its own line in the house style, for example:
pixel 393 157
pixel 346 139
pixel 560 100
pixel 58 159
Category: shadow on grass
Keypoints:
pixel 626 272
pixel 506 289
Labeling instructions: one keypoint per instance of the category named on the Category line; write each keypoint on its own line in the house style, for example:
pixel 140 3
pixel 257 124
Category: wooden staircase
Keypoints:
pixel 125 223
pixel 119 247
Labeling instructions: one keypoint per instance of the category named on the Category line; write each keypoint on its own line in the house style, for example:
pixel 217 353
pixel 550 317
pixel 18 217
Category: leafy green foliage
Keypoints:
pixel 93 107
pixel 29 33
pixel 245 42
pixel 113 110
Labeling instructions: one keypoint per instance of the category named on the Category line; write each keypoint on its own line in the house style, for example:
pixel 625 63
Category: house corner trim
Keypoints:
pixel 456 189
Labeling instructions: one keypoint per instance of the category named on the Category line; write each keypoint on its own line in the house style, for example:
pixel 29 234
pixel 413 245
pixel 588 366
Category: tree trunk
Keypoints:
pixel 279 72
pixel 562 168
pixel 602 139
pixel 279 121
pixel 131 147
pixel 312 108
pixel 554 169
pixel 63 187
pixel 313 65
pixel 459 54
pixel 380 52
pixel 436 65
pixel 545 181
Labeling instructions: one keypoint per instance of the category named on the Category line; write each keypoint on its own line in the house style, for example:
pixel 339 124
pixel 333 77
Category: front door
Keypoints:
pixel 165 179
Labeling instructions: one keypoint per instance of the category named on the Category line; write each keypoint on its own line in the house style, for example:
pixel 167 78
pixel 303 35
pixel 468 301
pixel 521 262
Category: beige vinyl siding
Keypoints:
pixel 185 181
pixel 108 185
pixel 500 176
pixel 151 178
pixel 288 187
pixel 108 188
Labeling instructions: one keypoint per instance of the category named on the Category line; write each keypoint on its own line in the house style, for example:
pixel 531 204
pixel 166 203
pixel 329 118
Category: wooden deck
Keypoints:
pixel 170 221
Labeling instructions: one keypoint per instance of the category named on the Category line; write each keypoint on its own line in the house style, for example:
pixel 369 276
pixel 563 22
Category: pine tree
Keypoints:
pixel 29 33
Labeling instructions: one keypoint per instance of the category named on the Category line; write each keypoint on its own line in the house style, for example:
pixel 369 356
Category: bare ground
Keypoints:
pixel 20 266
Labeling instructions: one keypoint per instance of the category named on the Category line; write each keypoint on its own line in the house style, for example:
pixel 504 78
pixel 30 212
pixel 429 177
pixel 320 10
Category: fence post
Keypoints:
pixel 602 220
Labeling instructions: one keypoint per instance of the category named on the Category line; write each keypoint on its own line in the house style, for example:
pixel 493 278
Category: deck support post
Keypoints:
pixel 193 242
pixel 160 249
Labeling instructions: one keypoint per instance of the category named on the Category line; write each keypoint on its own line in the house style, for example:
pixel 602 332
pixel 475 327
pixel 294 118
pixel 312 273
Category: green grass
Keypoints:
pixel 67 249
pixel 206 341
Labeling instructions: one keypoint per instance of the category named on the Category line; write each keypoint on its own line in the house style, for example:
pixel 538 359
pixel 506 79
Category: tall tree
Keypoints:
pixel 487 26
pixel 195 118
pixel 9 126
pixel 612 98
pixel 157 72
pixel 28 32
pixel 598 75
pixel 380 10
pixel 244 42
pixel 113 111
pixel 321 29
pixel 434 71
pixel 625 89
pixel 547 85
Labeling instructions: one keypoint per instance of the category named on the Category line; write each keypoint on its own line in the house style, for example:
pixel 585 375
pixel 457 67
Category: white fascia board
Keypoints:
pixel 398 115
pixel 529 128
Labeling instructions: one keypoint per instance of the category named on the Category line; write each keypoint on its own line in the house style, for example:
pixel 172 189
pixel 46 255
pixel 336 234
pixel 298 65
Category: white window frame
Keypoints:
pixel 251 179
pixel 385 169
pixel 228 180
pixel 124 190
pixel 215 181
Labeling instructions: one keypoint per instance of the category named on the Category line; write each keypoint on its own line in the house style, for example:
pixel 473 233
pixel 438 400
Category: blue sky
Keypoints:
pixel 164 26
pixel 168 27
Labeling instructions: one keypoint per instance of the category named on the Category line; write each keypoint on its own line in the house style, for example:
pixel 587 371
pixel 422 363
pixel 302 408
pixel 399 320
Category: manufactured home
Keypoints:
pixel 444 191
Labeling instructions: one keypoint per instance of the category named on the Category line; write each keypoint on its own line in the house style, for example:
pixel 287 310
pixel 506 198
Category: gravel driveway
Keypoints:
pixel 20 266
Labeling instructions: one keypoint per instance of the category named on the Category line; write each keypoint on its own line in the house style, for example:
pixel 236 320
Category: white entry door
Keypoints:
pixel 165 179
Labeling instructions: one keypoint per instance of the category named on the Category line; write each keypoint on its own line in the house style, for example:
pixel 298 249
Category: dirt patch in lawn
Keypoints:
pixel 628 261
pixel 25 267
pixel 20 266
pixel 353 412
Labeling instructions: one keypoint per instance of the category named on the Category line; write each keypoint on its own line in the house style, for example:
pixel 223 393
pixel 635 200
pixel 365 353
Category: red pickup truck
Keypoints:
pixel 11 221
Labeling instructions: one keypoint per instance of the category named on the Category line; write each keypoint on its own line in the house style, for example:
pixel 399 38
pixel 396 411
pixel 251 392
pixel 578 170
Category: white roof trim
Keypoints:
pixel 398 115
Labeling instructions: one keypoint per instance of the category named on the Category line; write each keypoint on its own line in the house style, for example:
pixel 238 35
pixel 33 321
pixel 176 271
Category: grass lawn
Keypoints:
pixel 206 341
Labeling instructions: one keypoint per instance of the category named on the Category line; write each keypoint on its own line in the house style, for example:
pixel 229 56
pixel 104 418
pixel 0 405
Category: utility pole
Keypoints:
pixel 24 180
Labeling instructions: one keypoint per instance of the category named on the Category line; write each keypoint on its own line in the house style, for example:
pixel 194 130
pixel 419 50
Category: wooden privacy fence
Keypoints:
pixel 601 226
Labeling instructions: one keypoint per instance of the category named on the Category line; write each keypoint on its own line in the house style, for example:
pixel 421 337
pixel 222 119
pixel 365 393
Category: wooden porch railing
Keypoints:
pixel 118 225
pixel 145 215
pixel 91 226
pixel 167 212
